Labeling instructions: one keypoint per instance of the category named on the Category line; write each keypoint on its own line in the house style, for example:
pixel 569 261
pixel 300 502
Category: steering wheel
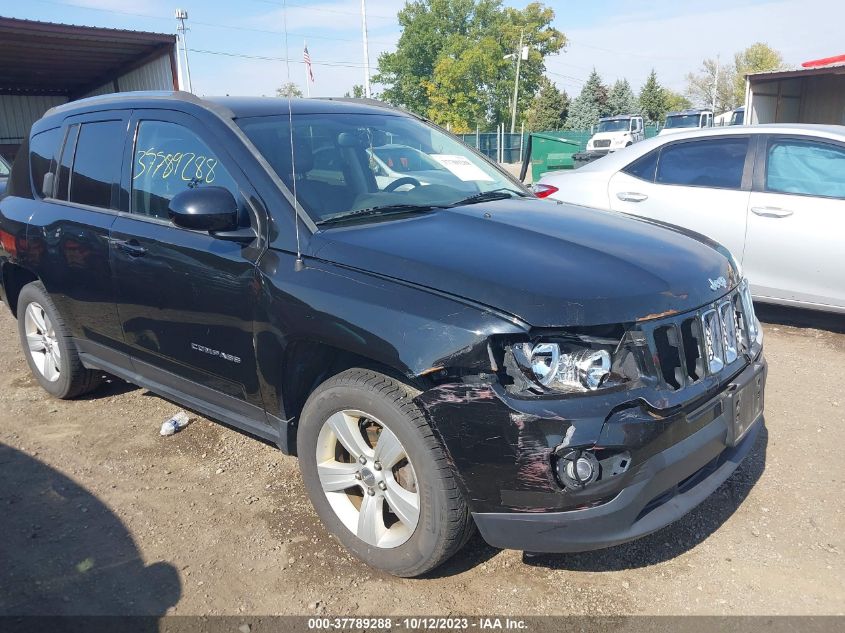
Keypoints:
pixel 404 180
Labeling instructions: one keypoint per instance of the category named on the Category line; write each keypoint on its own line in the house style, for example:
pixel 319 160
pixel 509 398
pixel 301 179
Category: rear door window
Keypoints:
pixel 805 167
pixel 717 163
pixel 42 158
pixel 96 165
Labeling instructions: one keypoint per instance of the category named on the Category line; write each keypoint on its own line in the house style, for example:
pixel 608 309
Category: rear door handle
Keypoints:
pixel 130 247
pixel 631 196
pixel 771 212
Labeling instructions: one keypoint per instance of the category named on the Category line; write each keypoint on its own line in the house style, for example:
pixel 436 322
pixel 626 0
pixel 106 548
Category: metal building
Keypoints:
pixel 44 64
pixel 814 93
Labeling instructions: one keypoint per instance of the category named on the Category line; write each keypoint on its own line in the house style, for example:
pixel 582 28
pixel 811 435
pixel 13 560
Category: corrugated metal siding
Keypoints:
pixel 154 75
pixel 19 112
pixel 105 89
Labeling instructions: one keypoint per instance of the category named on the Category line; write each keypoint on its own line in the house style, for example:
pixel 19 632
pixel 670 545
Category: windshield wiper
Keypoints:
pixel 503 193
pixel 388 209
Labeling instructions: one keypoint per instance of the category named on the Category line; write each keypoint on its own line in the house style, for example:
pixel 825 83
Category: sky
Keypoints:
pixel 239 47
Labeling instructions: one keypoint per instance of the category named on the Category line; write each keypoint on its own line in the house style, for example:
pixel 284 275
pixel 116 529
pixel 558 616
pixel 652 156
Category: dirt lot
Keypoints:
pixel 99 514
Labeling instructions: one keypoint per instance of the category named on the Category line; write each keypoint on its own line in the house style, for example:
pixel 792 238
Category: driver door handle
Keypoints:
pixel 130 247
pixel 771 212
pixel 631 196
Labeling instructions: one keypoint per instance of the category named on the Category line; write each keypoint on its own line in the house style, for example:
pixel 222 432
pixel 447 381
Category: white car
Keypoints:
pixel 616 132
pixel 772 194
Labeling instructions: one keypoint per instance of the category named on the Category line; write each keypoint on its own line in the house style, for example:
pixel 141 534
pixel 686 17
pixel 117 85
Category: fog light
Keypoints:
pixel 577 469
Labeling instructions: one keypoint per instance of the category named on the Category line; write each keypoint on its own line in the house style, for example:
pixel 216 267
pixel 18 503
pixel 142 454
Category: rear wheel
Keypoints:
pixel 49 350
pixel 377 476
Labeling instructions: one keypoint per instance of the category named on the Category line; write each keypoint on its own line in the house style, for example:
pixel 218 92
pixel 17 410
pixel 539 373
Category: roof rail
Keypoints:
pixel 111 97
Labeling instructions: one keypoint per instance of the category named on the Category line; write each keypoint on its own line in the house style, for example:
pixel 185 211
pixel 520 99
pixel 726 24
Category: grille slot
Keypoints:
pixel 687 348
pixel 692 337
pixel 667 342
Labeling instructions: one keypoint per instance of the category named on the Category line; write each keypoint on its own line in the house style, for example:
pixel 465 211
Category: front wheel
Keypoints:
pixel 48 347
pixel 377 476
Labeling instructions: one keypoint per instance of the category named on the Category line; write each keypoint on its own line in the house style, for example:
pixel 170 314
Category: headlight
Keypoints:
pixel 564 369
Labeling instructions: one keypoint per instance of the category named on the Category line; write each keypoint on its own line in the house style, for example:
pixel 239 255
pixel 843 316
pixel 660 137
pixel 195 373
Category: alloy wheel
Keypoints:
pixel 368 479
pixel 42 343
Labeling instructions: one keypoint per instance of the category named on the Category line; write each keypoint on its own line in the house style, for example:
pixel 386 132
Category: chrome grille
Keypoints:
pixel 686 348
pixel 601 143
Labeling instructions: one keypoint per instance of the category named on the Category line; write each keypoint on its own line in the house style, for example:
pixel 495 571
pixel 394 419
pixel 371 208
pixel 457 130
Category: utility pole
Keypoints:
pixel 519 55
pixel 715 85
pixel 366 49
pixel 181 16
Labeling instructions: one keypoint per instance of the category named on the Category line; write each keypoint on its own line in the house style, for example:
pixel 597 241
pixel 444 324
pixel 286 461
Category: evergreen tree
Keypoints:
pixel 548 108
pixel 653 99
pixel 621 99
pixel 588 106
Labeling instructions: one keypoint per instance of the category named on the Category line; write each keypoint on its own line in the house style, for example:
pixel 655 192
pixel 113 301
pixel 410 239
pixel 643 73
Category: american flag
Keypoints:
pixel 306 57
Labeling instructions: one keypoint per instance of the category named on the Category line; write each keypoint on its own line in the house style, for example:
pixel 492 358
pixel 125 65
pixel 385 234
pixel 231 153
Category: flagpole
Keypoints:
pixel 307 82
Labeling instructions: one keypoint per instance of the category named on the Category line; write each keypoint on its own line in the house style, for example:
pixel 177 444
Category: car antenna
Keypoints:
pixel 298 265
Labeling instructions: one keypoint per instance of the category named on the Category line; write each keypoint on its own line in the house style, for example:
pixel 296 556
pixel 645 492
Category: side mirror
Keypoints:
pixel 204 209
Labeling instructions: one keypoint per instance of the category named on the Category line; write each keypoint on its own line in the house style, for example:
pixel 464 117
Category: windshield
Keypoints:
pixel 4 168
pixel 353 162
pixel 620 125
pixel 683 120
pixel 737 117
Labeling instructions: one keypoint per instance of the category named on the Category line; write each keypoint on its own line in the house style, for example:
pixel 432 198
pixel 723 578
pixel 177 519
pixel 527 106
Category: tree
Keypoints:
pixel 621 99
pixel 357 92
pixel 449 62
pixel 713 76
pixel 676 101
pixel 589 105
pixel 548 108
pixel 653 99
pixel 289 89
pixel 759 57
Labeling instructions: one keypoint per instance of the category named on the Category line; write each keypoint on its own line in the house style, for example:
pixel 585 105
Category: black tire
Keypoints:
pixel 73 379
pixel 444 523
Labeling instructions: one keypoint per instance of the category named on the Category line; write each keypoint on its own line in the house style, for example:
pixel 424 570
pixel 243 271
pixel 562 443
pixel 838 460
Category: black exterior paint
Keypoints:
pixel 418 298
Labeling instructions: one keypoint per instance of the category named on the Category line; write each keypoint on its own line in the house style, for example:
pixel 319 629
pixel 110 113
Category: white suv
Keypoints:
pixel 616 132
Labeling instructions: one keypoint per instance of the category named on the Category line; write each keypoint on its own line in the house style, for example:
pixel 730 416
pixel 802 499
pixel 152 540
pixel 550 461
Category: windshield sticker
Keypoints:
pixel 461 166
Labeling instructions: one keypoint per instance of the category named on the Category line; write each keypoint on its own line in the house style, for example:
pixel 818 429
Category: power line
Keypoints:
pixel 270 58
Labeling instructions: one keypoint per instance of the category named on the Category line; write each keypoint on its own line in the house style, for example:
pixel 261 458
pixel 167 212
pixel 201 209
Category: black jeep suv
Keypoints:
pixel 441 349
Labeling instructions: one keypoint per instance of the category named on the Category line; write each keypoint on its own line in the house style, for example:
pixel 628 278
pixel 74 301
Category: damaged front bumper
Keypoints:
pixel 679 447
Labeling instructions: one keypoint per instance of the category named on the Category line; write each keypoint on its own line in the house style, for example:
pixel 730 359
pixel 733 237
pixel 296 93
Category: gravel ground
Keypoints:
pixel 99 514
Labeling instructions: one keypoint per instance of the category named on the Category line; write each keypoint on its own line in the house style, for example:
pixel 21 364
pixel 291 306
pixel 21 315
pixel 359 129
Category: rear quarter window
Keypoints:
pixel 42 158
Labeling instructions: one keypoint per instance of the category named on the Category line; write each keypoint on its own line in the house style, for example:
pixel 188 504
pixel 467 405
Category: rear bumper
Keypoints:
pixel 666 487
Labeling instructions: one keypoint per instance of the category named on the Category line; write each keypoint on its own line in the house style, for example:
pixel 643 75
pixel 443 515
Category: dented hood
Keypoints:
pixel 548 264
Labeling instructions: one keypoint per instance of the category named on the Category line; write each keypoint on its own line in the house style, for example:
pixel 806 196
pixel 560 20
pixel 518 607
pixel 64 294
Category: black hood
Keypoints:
pixel 550 265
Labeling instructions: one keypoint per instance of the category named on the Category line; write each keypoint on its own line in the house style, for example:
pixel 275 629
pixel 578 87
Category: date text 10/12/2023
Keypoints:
pixel 418 623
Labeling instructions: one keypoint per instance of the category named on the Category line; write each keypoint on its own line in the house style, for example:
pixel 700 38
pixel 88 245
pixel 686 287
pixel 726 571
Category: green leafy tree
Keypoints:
pixel 653 99
pixel 548 109
pixel 589 105
pixel 621 99
pixel 357 92
pixel 713 77
pixel 289 89
pixel 676 101
pixel 759 57
pixel 449 62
